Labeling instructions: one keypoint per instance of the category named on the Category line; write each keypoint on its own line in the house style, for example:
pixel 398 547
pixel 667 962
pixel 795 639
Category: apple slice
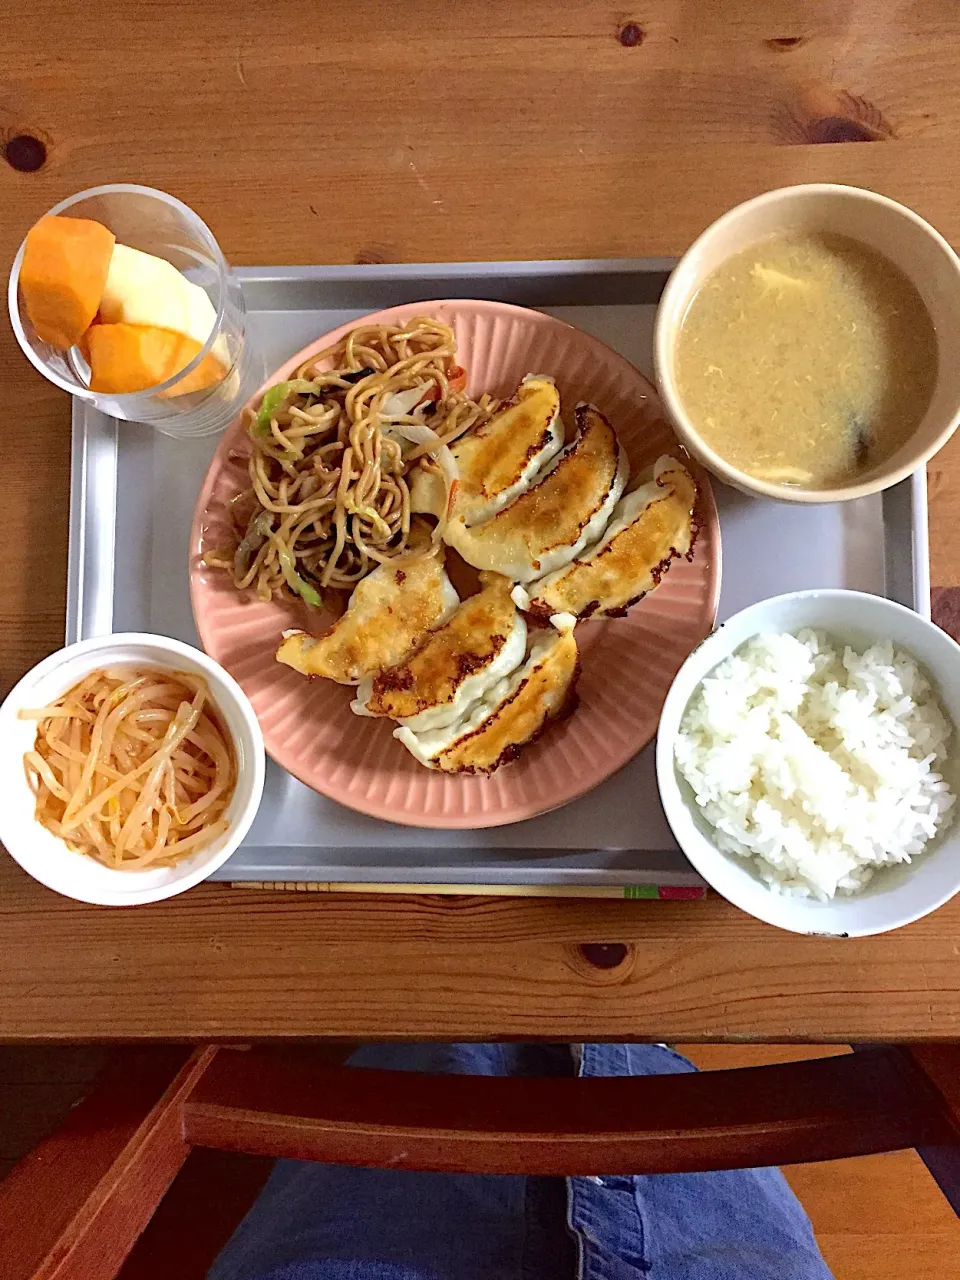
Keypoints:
pixel 146 290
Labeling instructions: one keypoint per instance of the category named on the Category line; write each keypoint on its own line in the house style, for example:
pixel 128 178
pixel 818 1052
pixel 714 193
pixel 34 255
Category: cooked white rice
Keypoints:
pixel 818 762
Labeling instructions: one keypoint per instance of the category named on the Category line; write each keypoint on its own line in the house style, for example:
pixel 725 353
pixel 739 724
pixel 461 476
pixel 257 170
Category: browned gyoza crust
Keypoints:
pixel 466 644
pixel 554 513
pixel 493 455
pixel 543 696
pixel 389 615
pixel 493 458
pixel 609 581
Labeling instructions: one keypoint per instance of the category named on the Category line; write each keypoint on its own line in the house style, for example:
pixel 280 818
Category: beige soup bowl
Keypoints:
pixel 902 236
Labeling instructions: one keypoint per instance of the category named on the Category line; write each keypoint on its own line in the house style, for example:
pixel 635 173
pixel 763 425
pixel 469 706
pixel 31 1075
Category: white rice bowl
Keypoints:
pixel 820 762
pixel 883 882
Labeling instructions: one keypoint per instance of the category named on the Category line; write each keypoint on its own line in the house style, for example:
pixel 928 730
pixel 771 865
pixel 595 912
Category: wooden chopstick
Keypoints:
pixel 630 891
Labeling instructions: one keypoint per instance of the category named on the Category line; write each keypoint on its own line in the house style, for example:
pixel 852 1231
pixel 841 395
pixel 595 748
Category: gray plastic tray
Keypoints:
pixel 132 497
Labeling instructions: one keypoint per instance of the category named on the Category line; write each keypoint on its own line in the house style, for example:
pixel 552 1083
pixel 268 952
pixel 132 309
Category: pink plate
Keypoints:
pixel 628 663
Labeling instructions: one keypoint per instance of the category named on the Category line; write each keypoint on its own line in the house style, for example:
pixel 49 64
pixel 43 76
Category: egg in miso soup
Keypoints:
pixel 806 359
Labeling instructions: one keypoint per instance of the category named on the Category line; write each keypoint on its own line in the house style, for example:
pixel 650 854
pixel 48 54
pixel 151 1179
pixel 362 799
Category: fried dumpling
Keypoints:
pixel 512 714
pixel 484 641
pixel 569 506
pixel 650 527
pixel 390 613
pixel 498 459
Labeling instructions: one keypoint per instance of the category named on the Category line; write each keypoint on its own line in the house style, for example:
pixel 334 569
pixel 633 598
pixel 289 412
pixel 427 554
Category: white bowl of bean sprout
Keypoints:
pixel 134 767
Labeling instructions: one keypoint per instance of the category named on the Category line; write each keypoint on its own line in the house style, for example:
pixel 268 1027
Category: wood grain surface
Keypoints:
pixel 343 133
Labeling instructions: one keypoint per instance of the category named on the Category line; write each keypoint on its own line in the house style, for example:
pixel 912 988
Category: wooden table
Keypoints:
pixel 366 133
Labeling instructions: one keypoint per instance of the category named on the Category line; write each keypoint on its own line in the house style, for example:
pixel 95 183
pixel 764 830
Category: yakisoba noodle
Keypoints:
pixel 331 450
pixel 133 767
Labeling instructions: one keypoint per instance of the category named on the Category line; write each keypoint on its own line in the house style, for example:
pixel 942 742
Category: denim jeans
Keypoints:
pixel 332 1222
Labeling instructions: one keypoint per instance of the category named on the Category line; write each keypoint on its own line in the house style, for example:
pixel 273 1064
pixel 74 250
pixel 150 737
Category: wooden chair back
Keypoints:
pixel 75 1206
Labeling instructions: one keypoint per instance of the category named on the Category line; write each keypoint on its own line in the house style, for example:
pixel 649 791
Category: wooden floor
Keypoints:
pixel 869 1214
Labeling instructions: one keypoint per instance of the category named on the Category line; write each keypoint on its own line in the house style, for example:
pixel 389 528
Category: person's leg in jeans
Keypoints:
pixel 738 1224
pixel 331 1222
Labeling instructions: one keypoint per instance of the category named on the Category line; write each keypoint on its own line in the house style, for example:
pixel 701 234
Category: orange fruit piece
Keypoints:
pixel 62 276
pixel 134 357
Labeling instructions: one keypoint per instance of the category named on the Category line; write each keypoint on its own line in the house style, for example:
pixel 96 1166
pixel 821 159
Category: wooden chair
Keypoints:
pixel 74 1208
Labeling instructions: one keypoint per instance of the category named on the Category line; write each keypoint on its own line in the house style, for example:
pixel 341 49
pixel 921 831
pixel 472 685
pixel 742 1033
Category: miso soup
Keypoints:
pixel 806 359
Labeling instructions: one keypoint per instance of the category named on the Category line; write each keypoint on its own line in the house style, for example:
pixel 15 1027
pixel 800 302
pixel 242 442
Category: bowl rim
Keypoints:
pixel 687 433
pixel 226 689
pixel 705 858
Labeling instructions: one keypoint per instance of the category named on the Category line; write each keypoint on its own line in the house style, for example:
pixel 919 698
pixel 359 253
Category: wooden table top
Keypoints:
pixel 306 133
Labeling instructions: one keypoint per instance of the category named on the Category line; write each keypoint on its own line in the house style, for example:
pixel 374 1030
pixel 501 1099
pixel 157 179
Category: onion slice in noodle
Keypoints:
pixel 400 403
pixel 424 435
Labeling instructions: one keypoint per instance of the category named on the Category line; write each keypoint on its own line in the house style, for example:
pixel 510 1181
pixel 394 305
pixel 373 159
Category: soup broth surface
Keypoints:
pixel 806 359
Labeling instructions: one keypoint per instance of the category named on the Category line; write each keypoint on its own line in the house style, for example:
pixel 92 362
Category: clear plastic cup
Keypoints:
pixel 162 225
